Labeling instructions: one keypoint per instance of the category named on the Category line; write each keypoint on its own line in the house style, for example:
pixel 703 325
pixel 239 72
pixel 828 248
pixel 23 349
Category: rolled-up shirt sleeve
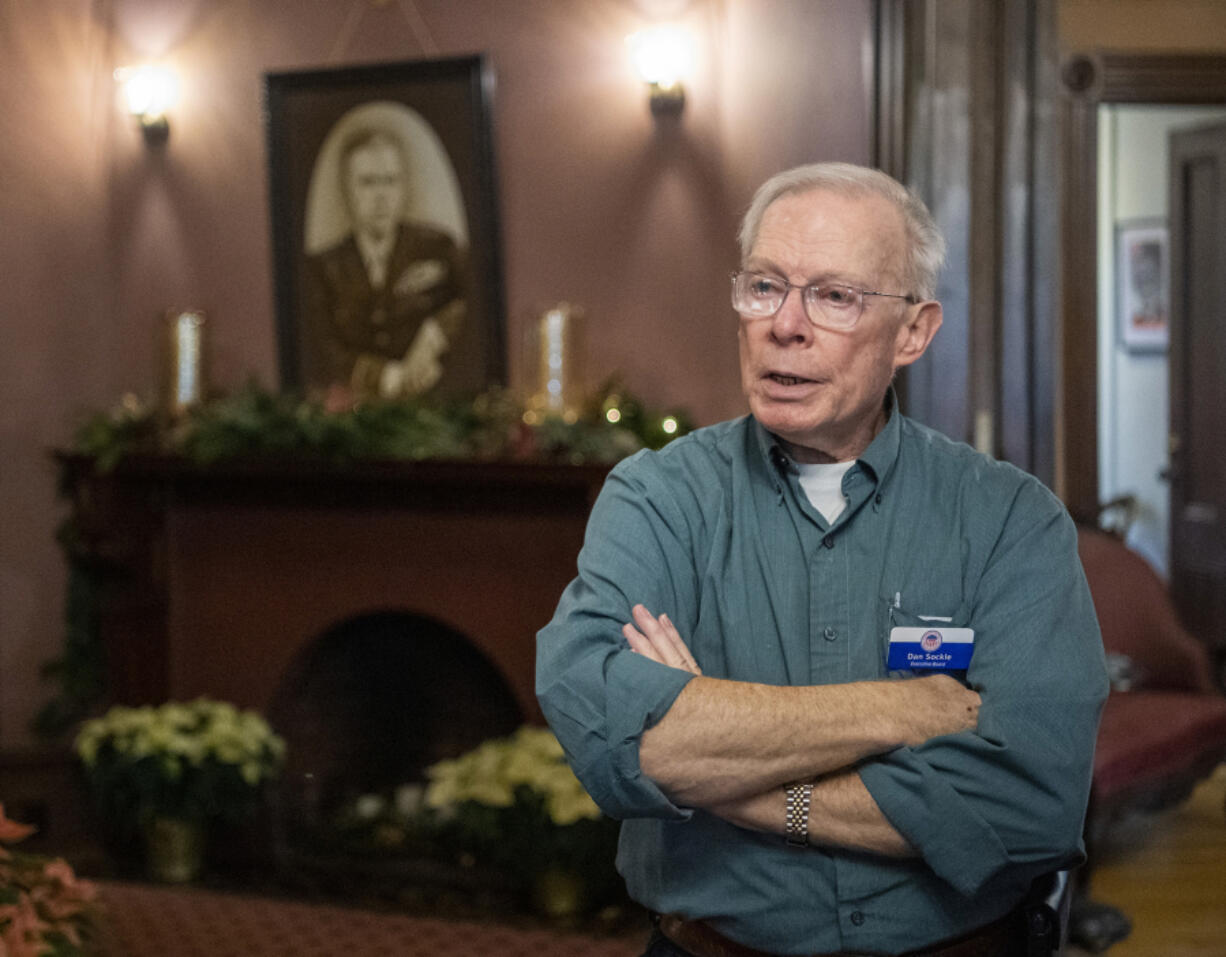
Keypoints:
pixel 1013 793
pixel 596 693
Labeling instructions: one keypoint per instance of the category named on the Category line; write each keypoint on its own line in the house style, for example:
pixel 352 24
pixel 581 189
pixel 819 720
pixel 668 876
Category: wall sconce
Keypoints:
pixel 663 57
pixel 149 92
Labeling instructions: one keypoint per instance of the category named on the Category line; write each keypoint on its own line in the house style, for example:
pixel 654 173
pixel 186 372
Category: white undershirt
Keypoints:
pixel 823 484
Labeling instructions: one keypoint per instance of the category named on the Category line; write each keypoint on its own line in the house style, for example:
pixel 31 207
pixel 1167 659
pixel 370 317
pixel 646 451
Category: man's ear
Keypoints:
pixel 916 332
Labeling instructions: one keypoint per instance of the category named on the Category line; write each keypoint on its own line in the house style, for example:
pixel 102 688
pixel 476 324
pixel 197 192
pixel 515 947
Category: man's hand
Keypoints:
pixel 420 368
pixel 659 640
pixel 937 705
pixel 421 365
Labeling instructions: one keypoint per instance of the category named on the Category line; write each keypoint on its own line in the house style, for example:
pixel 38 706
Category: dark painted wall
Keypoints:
pixel 600 205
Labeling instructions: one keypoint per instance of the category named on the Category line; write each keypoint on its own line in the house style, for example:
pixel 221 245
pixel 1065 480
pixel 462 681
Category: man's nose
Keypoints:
pixel 790 324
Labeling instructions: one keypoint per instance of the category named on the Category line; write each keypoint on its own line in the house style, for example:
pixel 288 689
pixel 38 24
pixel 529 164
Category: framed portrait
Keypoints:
pixel 386 248
pixel 1142 269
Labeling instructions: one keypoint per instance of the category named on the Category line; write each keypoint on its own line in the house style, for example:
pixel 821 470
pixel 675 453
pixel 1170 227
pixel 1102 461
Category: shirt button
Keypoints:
pixel 857 918
pixel 828 541
pixel 830 634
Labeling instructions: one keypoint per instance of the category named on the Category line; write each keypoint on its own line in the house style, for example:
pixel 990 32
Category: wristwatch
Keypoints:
pixel 796 822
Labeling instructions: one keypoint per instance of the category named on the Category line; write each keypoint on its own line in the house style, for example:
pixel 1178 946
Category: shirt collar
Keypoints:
pixel 878 458
pixel 882 452
pixel 376 251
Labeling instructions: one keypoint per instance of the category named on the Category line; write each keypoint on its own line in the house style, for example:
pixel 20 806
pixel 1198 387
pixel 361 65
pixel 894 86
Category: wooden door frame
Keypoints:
pixel 967 113
pixel 1091 79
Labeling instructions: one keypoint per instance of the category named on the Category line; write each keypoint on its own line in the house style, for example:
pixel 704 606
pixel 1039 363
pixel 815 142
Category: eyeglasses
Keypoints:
pixel 830 305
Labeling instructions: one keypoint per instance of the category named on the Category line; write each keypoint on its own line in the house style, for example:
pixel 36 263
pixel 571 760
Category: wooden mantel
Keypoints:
pixel 222 573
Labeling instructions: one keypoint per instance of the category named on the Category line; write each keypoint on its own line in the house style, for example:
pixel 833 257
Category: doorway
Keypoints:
pixel 1091 81
pixel 1133 367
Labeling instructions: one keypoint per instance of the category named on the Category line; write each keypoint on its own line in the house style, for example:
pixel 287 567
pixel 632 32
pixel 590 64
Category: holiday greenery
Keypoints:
pixel 257 424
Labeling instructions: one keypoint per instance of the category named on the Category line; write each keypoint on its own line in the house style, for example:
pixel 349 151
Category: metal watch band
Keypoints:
pixel 796 823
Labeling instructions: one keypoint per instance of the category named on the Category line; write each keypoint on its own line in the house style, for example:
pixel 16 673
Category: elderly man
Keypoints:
pixel 839 675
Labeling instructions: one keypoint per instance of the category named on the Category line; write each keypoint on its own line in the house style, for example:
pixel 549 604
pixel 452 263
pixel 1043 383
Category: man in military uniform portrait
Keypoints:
pixel 384 304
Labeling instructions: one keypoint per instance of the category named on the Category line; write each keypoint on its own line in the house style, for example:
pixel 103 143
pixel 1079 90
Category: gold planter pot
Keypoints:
pixel 174 849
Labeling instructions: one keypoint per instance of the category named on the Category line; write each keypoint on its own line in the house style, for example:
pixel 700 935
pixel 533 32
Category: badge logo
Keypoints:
pixel 931 641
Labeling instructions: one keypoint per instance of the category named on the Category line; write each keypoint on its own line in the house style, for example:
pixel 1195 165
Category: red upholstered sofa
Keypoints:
pixel 1164 725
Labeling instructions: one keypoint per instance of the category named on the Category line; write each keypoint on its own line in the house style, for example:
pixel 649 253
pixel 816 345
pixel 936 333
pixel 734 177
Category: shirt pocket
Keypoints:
pixel 951 613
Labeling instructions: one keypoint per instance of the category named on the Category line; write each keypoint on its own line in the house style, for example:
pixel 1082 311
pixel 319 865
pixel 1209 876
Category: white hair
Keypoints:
pixel 925 244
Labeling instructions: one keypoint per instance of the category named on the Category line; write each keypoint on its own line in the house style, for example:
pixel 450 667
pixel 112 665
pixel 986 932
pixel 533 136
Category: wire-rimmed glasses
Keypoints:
pixel 831 305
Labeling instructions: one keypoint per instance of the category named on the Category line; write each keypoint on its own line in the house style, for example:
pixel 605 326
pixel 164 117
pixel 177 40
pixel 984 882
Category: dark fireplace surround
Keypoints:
pixel 383 614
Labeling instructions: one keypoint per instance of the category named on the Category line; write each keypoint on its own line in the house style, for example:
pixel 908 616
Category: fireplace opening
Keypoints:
pixel 365 708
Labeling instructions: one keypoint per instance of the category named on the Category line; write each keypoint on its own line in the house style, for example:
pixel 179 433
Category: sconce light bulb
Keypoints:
pixel 663 55
pixel 150 91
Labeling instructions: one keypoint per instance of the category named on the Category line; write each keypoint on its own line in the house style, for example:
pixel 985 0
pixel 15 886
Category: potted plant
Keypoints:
pixel 162 774
pixel 44 908
pixel 512 806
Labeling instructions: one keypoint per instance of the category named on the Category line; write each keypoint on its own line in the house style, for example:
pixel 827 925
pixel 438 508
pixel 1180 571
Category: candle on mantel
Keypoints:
pixel 557 379
pixel 184 372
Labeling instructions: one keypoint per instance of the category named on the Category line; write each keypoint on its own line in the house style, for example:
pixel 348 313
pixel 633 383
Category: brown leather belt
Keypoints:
pixel 1002 938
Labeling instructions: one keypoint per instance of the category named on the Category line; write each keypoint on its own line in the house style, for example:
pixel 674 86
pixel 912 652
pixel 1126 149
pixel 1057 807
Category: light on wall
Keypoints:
pixel 149 93
pixel 663 57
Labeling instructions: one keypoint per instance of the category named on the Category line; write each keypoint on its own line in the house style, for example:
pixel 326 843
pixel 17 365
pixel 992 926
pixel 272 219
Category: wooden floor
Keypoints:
pixel 1168 874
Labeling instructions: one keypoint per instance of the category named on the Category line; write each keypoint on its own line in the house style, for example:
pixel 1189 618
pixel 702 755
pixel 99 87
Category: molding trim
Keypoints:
pixel 1090 79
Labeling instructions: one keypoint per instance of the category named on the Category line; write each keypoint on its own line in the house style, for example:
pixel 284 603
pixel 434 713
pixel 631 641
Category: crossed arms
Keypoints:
pixel 729 746
pixel 901 767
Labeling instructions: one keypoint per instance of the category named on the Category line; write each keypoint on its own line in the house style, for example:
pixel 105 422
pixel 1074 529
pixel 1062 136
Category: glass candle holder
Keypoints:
pixel 554 373
pixel 184 370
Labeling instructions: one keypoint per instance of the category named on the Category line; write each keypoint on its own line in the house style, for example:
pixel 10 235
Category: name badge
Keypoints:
pixel 937 647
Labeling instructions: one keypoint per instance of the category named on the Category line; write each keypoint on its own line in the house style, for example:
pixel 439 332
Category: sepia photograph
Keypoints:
pixel 385 230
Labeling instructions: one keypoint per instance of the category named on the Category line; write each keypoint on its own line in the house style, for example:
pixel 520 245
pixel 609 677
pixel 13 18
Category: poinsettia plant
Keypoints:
pixel 516 801
pixel 197 760
pixel 511 804
pixel 45 910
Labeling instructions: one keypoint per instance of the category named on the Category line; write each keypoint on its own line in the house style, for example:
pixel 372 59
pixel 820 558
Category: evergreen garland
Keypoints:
pixel 254 423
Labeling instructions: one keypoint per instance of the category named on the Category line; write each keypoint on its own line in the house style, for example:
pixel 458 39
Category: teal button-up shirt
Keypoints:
pixel 715 531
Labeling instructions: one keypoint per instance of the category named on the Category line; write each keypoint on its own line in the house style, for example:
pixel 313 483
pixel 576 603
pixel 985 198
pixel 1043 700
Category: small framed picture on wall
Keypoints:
pixel 1143 285
pixel 386 247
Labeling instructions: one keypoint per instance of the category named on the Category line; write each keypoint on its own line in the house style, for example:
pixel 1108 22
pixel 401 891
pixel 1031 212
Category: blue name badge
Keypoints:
pixel 938 646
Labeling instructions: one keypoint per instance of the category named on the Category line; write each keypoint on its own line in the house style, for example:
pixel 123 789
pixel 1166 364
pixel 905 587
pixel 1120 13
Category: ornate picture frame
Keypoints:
pixel 386 243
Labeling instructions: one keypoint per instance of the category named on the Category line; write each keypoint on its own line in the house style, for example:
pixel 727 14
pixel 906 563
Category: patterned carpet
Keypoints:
pixel 154 921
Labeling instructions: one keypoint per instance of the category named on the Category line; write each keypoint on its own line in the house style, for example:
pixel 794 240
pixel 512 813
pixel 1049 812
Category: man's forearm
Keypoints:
pixel 842 813
pixel 725 740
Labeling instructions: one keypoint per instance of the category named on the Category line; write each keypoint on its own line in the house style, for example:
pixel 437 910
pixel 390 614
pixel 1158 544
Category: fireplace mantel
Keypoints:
pixel 222 573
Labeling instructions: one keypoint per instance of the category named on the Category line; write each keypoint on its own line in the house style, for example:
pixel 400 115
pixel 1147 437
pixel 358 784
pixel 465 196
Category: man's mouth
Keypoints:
pixel 786 379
